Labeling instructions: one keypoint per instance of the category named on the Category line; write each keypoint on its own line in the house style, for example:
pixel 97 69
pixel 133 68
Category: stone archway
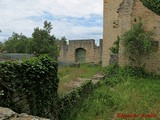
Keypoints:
pixel 80 55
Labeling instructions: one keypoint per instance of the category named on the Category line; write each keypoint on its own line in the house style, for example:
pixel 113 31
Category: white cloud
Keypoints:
pixel 16 15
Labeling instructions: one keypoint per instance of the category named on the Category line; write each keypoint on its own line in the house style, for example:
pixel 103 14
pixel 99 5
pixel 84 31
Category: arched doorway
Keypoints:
pixel 80 55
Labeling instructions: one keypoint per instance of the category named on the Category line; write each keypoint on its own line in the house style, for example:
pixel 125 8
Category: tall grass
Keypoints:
pixel 127 91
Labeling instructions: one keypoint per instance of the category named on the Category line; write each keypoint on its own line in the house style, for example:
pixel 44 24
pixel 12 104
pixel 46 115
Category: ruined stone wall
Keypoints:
pixel 63 52
pixel 152 23
pixel 110 28
pixel 98 52
pixel 88 45
pixel 119 15
pixel 68 52
pixel 125 18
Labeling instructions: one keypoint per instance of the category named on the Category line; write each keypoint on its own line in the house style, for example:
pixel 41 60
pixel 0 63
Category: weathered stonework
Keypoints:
pixel 8 114
pixel 119 16
pixel 111 30
pixel 92 53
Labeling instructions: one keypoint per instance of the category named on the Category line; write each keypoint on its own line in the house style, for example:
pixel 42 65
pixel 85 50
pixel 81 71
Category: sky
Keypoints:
pixel 74 19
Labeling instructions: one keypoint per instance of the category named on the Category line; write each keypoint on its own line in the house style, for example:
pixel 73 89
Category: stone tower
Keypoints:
pixel 119 16
pixel 110 29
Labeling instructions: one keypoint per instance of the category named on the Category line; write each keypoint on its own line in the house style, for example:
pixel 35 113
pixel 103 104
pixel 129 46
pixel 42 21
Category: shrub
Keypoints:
pixel 115 48
pixel 111 70
pixel 153 5
pixel 137 44
pixel 35 79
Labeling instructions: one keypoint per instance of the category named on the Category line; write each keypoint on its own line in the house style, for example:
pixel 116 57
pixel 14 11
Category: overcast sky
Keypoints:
pixel 74 19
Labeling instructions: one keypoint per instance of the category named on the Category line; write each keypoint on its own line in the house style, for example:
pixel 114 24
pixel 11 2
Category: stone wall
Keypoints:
pixel 92 52
pixel 18 99
pixel 14 56
pixel 152 23
pixel 8 114
pixel 98 52
pixel 119 16
pixel 111 28
pixel 29 86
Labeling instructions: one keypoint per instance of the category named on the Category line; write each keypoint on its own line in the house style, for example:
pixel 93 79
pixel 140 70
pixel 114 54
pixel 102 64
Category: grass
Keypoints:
pixel 70 74
pixel 121 94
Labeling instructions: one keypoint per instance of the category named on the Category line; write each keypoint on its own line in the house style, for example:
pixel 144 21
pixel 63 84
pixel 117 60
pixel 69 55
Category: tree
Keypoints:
pixel 63 41
pixel 44 42
pixel 30 46
pixel 137 43
pixel 17 43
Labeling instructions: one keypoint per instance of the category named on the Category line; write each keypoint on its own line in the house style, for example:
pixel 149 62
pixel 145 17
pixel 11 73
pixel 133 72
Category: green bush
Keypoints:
pixel 115 48
pixel 153 5
pixel 137 44
pixel 127 71
pixel 111 70
pixel 35 78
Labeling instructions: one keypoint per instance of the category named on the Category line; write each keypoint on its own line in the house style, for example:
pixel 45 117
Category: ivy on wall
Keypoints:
pixel 153 5
pixel 115 47
pixel 36 79
pixel 137 44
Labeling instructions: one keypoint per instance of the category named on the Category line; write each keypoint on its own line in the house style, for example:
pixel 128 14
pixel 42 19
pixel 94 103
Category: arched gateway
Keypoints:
pixel 80 55
pixel 82 51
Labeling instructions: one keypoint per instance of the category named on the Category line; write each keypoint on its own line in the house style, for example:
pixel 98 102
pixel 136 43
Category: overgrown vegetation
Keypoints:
pixel 70 75
pixel 153 5
pixel 126 91
pixel 30 86
pixel 44 42
pixel 35 79
pixel 115 48
pixel 137 44
pixel 41 42
pixel 63 41
pixel 67 102
pixel 18 43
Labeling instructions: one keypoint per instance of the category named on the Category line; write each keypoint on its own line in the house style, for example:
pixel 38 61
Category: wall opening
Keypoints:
pixel 80 55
